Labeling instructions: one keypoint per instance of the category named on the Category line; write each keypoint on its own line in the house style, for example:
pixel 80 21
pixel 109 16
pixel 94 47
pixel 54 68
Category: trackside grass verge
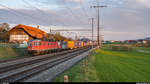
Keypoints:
pixel 10 53
pixel 77 74
pixel 106 65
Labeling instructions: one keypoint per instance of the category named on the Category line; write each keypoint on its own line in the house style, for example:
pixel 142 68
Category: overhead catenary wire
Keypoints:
pixel 41 11
pixel 20 13
pixel 91 2
pixel 76 17
pixel 13 11
pixel 83 8
pixel 71 12
pixel 33 18
pixel 26 2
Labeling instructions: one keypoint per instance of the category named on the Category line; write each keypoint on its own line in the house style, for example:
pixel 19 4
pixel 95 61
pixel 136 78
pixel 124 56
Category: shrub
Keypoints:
pixel 115 48
pixel 121 48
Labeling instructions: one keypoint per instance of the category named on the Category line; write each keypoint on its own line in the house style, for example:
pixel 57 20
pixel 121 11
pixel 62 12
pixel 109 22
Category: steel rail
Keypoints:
pixel 29 72
pixel 24 63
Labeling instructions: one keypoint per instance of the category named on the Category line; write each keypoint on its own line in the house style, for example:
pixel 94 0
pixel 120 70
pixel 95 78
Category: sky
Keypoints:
pixel 120 20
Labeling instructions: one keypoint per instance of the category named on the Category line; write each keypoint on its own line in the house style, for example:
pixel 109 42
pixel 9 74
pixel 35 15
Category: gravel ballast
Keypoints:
pixel 48 75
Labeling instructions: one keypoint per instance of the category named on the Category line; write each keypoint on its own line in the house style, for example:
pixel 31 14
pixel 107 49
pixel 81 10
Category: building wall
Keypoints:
pixel 18 35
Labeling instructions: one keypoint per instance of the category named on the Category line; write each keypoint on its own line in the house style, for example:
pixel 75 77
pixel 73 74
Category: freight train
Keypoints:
pixel 37 47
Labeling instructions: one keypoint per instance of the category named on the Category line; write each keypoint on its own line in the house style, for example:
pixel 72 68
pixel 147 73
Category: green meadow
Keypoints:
pixel 107 65
pixel 9 52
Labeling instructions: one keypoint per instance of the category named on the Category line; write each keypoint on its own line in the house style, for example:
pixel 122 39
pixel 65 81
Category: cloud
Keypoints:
pixel 126 18
pixel 77 1
pixel 122 18
pixel 22 16
pixel 144 2
pixel 109 35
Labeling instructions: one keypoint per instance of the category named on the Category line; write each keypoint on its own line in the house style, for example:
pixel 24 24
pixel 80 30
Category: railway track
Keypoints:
pixel 17 58
pixel 24 70
pixel 10 66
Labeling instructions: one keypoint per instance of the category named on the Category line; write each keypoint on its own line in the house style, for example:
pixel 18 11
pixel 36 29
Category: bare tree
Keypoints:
pixel 4 34
pixel 4 27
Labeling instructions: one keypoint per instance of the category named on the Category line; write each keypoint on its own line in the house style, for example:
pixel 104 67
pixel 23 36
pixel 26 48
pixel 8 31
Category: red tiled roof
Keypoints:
pixel 32 31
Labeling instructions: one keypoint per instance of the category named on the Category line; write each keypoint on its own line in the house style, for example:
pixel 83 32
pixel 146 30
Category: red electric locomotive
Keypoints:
pixel 36 47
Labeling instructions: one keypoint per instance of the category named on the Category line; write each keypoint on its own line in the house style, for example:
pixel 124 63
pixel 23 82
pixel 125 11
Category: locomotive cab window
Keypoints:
pixel 34 44
pixel 37 43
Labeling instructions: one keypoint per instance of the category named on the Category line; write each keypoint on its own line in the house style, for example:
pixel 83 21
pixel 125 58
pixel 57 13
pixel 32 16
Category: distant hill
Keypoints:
pixel 148 38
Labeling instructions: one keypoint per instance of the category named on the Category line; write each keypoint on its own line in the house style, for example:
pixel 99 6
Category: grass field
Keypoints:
pixel 9 53
pixel 112 66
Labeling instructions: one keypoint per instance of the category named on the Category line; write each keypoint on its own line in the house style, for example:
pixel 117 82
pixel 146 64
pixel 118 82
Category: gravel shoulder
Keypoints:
pixel 51 73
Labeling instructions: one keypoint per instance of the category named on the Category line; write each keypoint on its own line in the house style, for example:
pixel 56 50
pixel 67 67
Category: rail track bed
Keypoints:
pixel 17 58
pixel 23 69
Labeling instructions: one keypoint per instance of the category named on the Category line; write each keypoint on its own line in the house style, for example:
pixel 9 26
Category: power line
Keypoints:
pixel 12 10
pixel 72 30
pixel 75 17
pixel 32 6
pixel 83 8
pixel 18 12
pixel 91 2
pixel 40 10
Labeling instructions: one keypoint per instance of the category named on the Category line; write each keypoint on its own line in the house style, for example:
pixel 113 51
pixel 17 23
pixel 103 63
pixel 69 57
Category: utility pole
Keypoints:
pixel 50 31
pixel 92 22
pixel 98 23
